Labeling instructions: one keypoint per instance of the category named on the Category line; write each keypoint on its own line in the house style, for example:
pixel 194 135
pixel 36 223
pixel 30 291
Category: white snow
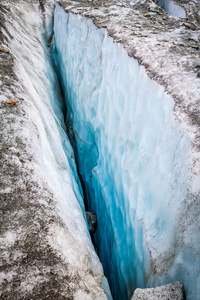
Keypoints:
pixel 135 158
pixel 8 238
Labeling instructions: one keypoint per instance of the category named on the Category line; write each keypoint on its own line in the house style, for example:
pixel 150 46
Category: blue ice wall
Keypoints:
pixel 171 8
pixel 58 111
pixel 134 157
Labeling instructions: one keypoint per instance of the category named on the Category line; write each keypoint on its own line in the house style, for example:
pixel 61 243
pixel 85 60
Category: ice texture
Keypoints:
pixel 171 8
pixel 135 159
pixel 53 166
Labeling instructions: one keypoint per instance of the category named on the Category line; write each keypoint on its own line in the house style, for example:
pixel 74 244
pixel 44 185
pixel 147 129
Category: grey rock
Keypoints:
pixel 172 291
pixel 92 221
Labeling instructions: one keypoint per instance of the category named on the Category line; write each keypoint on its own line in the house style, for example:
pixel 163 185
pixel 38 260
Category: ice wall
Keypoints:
pixel 135 159
pixel 54 168
pixel 171 8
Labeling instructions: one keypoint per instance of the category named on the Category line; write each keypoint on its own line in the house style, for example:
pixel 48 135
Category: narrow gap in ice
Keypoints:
pixel 52 162
pixel 72 139
pixel 71 136
pixel 171 8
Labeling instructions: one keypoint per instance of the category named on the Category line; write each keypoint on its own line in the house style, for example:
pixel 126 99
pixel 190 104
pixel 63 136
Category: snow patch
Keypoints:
pixel 8 238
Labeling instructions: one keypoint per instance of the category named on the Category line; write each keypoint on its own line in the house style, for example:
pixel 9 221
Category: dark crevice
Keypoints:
pixel 89 216
pixel 69 126
pixel 72 138
pixel 42 3
pixel 87 189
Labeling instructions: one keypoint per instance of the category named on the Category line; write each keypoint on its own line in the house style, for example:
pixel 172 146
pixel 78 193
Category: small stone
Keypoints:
pixel 12 101
pixel 198 75
pixel 4 49
pixel 193 46
pixel 92 221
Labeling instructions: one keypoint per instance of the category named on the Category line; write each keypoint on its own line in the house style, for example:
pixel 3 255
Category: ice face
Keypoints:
pixel 134 157
pixel 171 8
pixel 51 167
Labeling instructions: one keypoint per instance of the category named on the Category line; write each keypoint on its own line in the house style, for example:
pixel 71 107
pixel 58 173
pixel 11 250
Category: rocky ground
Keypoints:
pixel 173 291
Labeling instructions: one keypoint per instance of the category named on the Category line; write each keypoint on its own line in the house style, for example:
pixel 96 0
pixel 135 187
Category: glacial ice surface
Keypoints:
pixel 171 8
pixel 53 158
pixel 135 159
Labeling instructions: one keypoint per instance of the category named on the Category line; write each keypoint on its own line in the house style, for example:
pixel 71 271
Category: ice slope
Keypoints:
pixel 135 158
pixel 52 168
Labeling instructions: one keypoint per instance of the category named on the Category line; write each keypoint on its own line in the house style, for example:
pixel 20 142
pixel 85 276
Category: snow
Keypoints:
pixel 135 158
pixel 9 238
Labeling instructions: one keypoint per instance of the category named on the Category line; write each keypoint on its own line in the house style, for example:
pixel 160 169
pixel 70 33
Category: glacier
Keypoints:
pixel 46 249
pixel 135 159
pixel 171 8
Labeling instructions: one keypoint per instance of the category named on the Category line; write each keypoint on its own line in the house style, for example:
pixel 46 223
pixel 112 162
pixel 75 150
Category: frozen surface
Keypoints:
pixel 46 250
pixel 138 162
pixel 171 8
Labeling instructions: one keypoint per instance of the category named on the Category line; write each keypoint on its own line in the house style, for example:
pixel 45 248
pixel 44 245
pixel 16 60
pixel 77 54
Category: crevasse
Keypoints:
pixel 52 167
pixel 134 158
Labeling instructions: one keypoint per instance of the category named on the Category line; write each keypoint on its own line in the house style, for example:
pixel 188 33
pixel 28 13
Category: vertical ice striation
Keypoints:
pixel 52 170
pixel 134 157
